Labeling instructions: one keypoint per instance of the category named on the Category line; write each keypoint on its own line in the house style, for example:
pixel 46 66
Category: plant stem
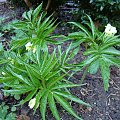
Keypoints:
pixel 84 74
pixel 43 83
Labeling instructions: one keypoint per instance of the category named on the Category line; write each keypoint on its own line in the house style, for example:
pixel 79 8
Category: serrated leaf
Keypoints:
pixel 105 72
pixel 52 105
pixel 64 85
pixel 71 97
pixel 81 27
pixel 92 26
pixel 29 96
pixel 111 51
pixel 43 104
pixel 66 106
pixel 36 12
pixel 93 68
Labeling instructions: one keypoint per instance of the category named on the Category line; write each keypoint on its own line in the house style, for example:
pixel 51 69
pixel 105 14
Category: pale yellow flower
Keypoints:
pixel 32 103
pixel 34 49
pixel 110 30
pixel 28 46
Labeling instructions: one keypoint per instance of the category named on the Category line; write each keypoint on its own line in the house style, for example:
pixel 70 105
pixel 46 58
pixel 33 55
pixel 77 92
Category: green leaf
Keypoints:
pixel 29 96
pixel 64 85
pixel 5 79
pixel 34 80
pixel 19 43
pixel 93 68
pixel 43 104
pixel 38 97
pixel 23 91
pixel 89 60
pixel 73 53
pixel 111 51
pixel 36 13
pixel 70 97
pixel 56 79
pixel 66 106
pixel 24 80
pixel 105 72
pixel 52 105
pixel 92 26
pixel 81 27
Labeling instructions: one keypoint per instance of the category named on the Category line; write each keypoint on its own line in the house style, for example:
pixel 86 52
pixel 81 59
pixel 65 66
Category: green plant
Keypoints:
pixel 101 11
pixel 4 115
pixel 41 76
pixel 99 49
pixel 36 28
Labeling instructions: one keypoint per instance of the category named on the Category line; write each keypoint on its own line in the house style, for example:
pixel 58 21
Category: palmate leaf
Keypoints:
pixel 52 105
pixel 105 72
pixel 66 106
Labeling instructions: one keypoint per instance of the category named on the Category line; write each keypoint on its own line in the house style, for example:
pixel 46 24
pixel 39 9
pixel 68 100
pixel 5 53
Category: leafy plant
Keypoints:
pixel 41 76
pixel 4 115
pixel 101 11
pixel 36 28
pixel 99 49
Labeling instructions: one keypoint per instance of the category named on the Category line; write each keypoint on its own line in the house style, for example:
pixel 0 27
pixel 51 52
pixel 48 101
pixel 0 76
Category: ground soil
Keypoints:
pixel 105 105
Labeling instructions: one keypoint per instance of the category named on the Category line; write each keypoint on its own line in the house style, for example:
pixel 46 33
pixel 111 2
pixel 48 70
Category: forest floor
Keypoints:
pixel 105 105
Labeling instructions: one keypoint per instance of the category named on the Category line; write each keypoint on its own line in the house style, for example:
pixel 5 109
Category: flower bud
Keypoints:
pixel 32 103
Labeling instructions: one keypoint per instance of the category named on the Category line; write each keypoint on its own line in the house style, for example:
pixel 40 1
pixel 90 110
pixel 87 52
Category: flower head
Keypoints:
pixel 110 30
pixel 32 103
pixel 28 46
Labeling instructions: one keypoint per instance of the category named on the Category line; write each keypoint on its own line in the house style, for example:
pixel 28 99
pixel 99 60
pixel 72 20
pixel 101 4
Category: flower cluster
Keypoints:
pixel 29 46
pixel 110 30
